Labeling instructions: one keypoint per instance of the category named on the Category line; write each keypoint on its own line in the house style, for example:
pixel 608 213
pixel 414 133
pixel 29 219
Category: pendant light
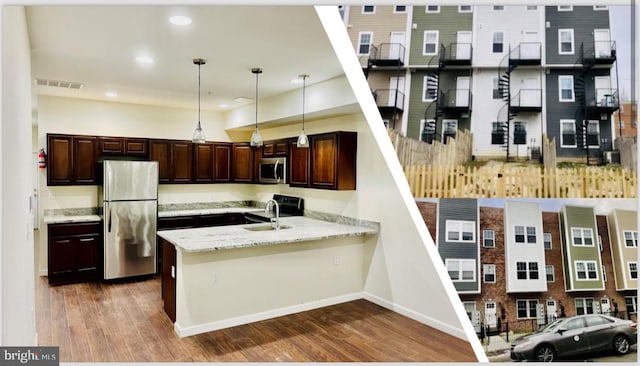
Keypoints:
pixel 198 134
pixel 303 140
pixel 256 139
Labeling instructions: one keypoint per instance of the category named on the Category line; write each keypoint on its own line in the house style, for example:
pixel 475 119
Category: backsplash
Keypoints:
pixel 204 205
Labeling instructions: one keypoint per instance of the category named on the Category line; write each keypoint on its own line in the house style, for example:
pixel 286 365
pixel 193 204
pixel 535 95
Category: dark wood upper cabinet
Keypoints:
pixel 222 162
pixel 59 159
pixel 123 146
pixel 257 155
pixel 182 161
pixel 241 162
pixel 278 148
pixel 111 146
pixel 298 165
pixel 136 147
pixel 160 151
pixel 203 163
pixel 85 159
pixel 333 161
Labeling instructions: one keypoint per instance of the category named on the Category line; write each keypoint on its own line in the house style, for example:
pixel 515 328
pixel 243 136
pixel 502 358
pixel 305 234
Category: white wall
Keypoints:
pixel 18 291
pixel 524 214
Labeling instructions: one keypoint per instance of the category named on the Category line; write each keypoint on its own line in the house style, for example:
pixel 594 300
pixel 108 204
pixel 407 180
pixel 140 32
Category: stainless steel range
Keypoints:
pixel 287 205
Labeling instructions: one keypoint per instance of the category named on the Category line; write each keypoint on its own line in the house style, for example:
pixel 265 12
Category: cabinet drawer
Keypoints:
pixel 84 228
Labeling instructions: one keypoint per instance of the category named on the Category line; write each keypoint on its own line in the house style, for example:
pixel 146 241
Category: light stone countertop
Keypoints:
pixel 300 229
pixel 63 219
pixel 208 211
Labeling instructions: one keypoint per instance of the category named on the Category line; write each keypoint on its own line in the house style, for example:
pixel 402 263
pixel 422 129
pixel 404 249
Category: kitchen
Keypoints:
pixel 397 270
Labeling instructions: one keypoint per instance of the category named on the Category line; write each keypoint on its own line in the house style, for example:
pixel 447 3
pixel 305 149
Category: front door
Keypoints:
pixel 530 46
pixel 463 45
pixel 530 95
pixel 396 46
pixel 552 313
pixel 396 84
pixel 604 93
pixel 602 43
pixel 462 91
pixel 605 307
pixel 490 318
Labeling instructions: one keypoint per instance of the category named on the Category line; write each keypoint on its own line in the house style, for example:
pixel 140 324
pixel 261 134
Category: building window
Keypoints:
pixel 565 86
pixel 519 232
pixel 593 133
pixel 521 270
pixel 430 43
pixel 432 9
pixel 551 276
pixel 584 306
pixel 565 41
pixel 531 234
pixel 368 9
pixel 498 7
pixel 565 7
pixel 547 241
pixel 527 309
pixel 364 42
pixel 581 236
pixel 496 89
pixel 586 270
pixel 461 270
pixel 600 7
pixel 460 231
pixel 604 273
pixel 532 7
pixel 469 308
pixel 497 42
pixel 633 270
pixel 632 304
pixel 427 130
pixel 497 134
pixel 449 129
pixel 429 87
pixel 533 271
pixel 488 238
pixel 630 238
pixel 567 133
pixel 465 9
pixel 400 9
pixel 489 271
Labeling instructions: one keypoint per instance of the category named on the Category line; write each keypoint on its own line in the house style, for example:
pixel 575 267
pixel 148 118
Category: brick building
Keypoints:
pixel 628 114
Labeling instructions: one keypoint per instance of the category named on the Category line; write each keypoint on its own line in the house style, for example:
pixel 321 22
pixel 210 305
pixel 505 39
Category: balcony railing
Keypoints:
pixel 456 54
pixel 603 52
pixel 527 99
pixel 526 53
pixel 456 99
pixel 387 54
pixel 605 99
pixel 389 98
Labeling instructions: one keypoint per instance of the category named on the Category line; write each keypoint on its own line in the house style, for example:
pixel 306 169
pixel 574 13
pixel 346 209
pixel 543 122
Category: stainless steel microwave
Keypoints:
pixel 273 170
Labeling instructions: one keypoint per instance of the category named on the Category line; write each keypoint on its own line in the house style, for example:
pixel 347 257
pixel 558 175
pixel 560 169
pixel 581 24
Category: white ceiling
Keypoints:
pixel 97 46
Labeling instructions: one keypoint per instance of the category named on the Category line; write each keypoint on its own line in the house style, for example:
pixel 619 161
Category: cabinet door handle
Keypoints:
pixel 173 271
pixel 87 239
pixel 63 241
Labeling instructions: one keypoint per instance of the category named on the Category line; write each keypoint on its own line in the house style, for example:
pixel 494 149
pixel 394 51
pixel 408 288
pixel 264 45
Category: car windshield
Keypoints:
pixel 551 326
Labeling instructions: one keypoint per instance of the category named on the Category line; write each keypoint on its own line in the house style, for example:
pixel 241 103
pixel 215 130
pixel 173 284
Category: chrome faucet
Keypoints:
pixel 275 222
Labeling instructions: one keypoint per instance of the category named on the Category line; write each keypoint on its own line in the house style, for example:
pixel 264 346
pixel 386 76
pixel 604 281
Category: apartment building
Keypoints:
pixel 535 70
pixel 573 276
pixel 625 120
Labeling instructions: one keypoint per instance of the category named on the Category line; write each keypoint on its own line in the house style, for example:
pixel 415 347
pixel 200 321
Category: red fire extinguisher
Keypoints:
pixel 42 159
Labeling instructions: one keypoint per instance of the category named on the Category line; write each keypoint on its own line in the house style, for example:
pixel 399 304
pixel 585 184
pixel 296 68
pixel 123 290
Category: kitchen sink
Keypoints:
pixel 265 227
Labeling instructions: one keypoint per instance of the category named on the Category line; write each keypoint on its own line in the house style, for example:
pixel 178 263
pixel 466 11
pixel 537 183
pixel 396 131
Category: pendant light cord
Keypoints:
pixel 304 79
pixel 256 100
pixel 199 95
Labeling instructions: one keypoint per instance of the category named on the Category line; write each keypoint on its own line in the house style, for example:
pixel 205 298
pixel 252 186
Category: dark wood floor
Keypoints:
pixel 125 322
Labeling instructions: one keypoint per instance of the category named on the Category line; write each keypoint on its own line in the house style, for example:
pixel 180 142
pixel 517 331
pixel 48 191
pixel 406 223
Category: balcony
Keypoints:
pixel 455 101
pixel 387 54
pixel 389 100
pixel 527 100
pixel 602 53
pixel 527 53
pixel 456 54
pixel 604 101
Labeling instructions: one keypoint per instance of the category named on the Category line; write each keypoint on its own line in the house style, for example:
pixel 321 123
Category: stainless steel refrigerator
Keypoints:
pixel 129 201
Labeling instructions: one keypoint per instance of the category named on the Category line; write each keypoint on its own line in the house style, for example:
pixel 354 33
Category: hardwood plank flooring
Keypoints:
pixel 125 322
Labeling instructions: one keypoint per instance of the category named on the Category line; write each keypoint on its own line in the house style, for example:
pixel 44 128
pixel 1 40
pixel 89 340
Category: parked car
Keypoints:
pixel 575 335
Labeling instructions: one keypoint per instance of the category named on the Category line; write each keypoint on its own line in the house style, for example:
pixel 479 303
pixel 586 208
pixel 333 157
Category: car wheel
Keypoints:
pixel 545 353
pixel 621 344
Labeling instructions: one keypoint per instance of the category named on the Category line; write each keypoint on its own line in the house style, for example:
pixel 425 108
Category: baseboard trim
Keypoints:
pixel 419 317
pixel 251 318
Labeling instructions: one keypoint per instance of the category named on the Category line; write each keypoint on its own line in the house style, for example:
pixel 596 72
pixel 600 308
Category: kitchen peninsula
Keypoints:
pixel 218 277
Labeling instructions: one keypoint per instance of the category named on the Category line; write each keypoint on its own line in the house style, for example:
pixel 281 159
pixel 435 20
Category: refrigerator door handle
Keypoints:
pixel 108 218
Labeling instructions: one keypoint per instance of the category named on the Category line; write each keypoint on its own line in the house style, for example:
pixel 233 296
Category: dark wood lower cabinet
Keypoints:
pixel 169 278
pixel 74 252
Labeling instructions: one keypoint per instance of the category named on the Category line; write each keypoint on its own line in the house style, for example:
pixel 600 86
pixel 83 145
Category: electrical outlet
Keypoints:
pixel 336 260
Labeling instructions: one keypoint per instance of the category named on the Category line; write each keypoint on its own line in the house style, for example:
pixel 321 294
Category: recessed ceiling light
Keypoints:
pixel 224 105
pixel 144 60
pixel 180 20
pixel 111 94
